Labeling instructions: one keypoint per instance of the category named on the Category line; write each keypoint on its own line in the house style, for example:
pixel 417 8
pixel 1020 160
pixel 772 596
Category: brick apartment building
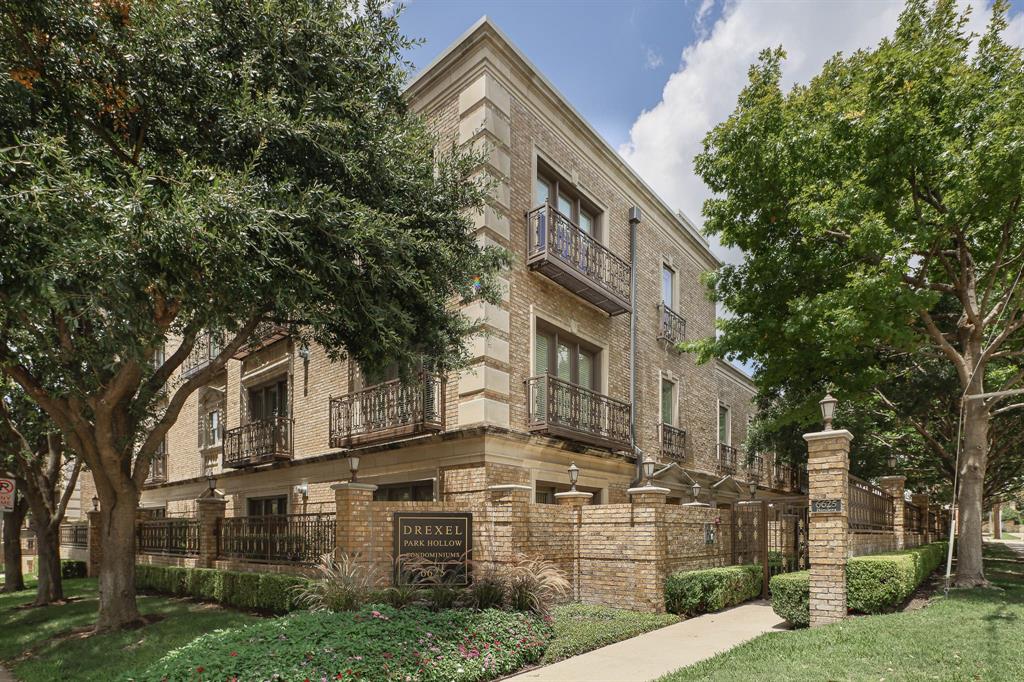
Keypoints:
pixel 554 372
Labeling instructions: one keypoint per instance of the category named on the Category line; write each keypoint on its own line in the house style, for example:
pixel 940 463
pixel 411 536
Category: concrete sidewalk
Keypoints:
pixel 654 654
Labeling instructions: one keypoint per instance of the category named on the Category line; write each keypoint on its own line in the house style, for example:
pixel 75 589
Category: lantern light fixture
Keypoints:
pixel 892 462
pixel 574 475
pixel 648 466
pixel 828 410
pixel 353 466
pixel 696 491
pixel 211 481
pixel 95 503
pixel 753 490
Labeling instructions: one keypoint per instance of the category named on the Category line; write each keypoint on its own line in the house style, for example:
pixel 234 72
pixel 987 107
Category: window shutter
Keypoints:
pixel 540 354
pixel 586 370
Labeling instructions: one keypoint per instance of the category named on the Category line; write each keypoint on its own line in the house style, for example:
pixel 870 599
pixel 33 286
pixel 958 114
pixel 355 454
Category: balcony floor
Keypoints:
pixel 578 283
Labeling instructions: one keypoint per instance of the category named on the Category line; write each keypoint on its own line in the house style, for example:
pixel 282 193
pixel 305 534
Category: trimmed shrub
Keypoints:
pixel 874 584
pixel 791 597
pixel 271 592
pixel 711 589
pixel 70 568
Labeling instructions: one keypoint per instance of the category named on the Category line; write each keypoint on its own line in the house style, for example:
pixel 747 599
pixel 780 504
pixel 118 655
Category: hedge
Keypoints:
pixel 271 592
pixel 712 589
pixel 874 584
pixel 72 568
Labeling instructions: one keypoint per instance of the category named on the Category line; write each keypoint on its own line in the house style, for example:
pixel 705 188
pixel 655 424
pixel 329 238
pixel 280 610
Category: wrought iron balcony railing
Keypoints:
pixel 258 442
pixel 388 411
pixel 157 469
pixel 206 349
pixel 671 325
pixel 755 468
pixel 559 249
pixel 727 458
pixel 563 409
pixel 265 334
pixel 673 443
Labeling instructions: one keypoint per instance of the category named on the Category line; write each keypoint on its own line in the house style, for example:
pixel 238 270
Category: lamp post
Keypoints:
pixel 574 475
pixel 95 503
pixel 353 466
pixel 696 491
pixel 828 410
pixel 648 467
pixel 753 490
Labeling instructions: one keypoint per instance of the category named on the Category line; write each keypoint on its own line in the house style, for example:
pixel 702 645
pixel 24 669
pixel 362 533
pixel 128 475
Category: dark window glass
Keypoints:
pixel 418 491
pixel 268 506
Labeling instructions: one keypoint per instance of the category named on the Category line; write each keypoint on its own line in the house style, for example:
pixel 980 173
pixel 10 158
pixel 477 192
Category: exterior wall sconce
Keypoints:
pixel 574 475
pixel 753 490
pixel 302 489
pixel 828 410
pixel 695 490
pixel 95 503
pixel 353 466
pixel 648 466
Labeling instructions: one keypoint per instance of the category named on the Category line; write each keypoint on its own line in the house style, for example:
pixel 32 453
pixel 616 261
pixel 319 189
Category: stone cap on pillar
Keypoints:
pixel 895 482
pixel 349 485
pixel 212 501
pixel 648 490
pixel 825 435
pixel 575 498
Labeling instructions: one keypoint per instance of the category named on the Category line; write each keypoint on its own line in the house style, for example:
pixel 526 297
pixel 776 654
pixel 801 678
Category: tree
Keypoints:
pixel 174 169
pixel 879 207
pixel 31 446
pixel 14 580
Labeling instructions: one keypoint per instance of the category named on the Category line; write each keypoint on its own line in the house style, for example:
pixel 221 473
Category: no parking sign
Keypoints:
pixel 6 494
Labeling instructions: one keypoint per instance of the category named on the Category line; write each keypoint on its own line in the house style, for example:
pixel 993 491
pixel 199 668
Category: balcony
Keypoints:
pixel 206 349
pixel 559 249
pixel 388 411
pixel 564 410
pixel 671 325
pixel 258 442
pixel 782 476
pixel 673 443
pixel 727 457
pixel 265 334
pixel 755 468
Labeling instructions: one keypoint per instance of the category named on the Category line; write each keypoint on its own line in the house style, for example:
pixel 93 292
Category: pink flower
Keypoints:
pixel 234 653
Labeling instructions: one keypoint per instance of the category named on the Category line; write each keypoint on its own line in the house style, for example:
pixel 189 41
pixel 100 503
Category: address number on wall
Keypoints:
pixel 826 506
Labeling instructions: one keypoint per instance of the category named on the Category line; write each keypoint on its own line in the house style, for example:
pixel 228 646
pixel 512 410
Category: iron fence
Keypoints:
pixel 168 536
pixel 871 508
pixel 278 539
pixel 74 534
pixel 913 521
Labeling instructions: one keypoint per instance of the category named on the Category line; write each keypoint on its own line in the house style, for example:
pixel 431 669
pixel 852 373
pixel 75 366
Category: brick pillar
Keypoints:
pixel 920 500
pixel 95 544
pixel 577 500
pixel 354 527
pixel 508 507
pixel 647 548
pixel 828 470
pixel 648 495
pixel 894 485
pixel 573 498
pixel 209 511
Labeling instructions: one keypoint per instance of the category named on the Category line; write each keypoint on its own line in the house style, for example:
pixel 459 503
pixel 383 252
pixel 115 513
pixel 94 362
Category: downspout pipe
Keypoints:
pixel 635 216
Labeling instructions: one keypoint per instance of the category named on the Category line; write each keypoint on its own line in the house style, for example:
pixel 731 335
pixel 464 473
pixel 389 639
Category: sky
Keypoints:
pixel 653 77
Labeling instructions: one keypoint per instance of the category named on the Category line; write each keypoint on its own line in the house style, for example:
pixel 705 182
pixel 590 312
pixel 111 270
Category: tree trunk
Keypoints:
pixel 969 569
pixel 50 587
pixel 14 581
pixel 117 562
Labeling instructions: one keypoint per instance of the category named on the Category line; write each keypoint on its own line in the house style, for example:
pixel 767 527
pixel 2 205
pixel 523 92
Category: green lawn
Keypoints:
pixel 579 628
pixel 99 658
pixel 971 635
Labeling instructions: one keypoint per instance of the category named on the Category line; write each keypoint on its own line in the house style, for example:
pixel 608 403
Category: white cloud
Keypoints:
pixel 653 60
pixel 702 93
pixel 1015 31
pixel 702 14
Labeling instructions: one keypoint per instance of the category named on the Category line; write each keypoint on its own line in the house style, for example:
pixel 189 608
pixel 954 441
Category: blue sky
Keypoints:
pixel 610 59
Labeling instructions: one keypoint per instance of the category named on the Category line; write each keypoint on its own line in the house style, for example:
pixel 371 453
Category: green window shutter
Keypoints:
pixel 586 370
pixel 540 354
pixel 667 413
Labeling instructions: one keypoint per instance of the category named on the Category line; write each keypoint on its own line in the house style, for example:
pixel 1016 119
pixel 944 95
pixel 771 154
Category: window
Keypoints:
pixel 668 402
pixel 268 506
pixel 724 425
pixel 668 287
pixel 210 427
pixel 268 401
pixel 159 355
pixel 549 187
pixel 417 491
pixel 566 357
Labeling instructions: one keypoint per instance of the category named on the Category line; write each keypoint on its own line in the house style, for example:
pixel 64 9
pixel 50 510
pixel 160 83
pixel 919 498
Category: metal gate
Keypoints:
pixel 772 533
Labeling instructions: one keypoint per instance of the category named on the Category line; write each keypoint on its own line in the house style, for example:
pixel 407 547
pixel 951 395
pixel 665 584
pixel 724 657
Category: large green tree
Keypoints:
pixel 879 206
pixel 173 167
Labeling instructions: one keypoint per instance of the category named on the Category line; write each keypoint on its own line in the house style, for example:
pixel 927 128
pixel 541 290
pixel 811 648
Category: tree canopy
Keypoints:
pixel 171 168
pixel 879 210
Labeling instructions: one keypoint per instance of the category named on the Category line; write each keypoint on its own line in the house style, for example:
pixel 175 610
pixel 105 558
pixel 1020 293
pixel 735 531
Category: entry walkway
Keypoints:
pixel 654 654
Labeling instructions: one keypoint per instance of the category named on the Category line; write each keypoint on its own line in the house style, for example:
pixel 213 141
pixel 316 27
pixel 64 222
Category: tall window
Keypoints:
pixel 566 357
pixel 668 287
pixel 268 401
pixel 550 188
pixel 724 425
pixel 668 402
pixel 211 423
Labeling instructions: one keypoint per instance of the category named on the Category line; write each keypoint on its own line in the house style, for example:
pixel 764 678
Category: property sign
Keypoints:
pixel 438 541
pixel 6 494
pixel 826 506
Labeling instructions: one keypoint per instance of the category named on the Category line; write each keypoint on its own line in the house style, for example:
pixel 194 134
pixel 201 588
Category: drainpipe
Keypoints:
pixel 635 216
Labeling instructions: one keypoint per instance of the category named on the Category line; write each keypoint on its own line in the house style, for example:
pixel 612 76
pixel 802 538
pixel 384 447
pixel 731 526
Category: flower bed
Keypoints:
pixel 374 643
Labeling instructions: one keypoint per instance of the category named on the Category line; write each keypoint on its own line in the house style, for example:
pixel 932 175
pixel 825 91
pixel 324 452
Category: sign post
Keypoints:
pixel 6 494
